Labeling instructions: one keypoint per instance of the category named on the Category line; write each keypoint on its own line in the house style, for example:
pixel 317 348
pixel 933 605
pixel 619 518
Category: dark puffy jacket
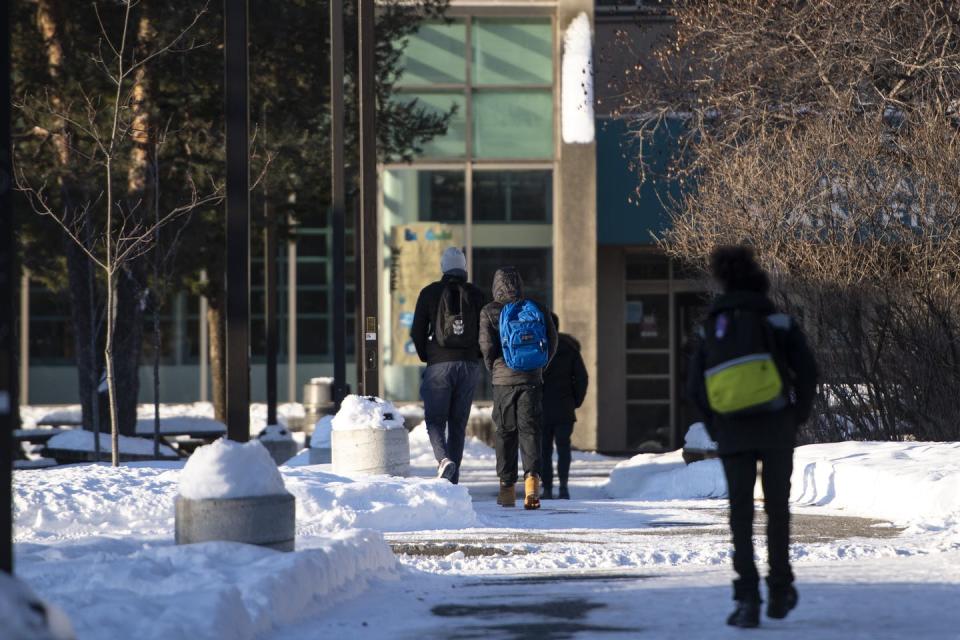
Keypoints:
pixel 423 318
pixel 508 287
pixel 771 430
pixel 564 383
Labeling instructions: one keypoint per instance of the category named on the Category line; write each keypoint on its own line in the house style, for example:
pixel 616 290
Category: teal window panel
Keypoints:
pixel 436 54
pixel 453 143
pixel 512 52
pixel 513 124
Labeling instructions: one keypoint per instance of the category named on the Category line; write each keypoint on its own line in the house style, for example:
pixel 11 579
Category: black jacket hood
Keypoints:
pixel 507 285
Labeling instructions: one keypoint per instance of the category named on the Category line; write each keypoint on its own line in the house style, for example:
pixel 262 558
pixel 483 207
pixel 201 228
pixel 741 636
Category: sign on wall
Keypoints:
pixel 416 248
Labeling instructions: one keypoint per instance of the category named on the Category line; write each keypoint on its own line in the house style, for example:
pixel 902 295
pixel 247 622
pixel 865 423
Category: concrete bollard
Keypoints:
pixel 281 450
pixel 371 452
pixel 266 521
pixel 320 455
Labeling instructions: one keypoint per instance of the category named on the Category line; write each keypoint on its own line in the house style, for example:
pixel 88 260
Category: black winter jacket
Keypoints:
pixel 564 383
pixel 425 313
pixel 508 287
pixel 776 429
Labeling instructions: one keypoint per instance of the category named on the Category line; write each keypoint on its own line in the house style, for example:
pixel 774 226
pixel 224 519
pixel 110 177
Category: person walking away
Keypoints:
pixel 518 340
pixel 564 388
pixel 445 332
pixel 754 378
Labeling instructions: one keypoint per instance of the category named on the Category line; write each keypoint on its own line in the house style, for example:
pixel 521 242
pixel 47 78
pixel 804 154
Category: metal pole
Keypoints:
pixel 338 191
pixel 236 88
pixel 270 294
pixel 9 414
pixel 25 337
pixel 369 240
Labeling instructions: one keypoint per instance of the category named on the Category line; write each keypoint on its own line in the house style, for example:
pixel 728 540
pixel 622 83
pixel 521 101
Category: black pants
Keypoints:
pixel 561 434
pixel 518 414
pixel 741 472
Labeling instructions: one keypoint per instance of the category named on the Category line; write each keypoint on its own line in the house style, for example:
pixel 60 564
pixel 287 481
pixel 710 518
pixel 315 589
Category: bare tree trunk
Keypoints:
pixel 218 364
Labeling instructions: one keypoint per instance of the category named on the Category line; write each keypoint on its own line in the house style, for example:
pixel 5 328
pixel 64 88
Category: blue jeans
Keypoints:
pixel 447 391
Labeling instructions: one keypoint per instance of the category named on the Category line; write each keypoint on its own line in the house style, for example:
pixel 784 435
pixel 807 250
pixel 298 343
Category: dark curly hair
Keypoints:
pixel 736 269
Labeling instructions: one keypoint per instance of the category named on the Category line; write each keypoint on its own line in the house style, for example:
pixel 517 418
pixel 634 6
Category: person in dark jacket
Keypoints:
pixel 564 388
pixel 452 373
pixel 767 437
pixel 517 395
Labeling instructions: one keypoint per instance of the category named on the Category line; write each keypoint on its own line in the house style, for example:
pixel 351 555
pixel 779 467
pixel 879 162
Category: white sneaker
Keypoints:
pixel 447 469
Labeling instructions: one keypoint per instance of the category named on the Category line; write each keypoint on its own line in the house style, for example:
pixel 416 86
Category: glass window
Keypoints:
pixel 436 54
pixel 647 322
pixel 453 143
pixel 513 196
pixel 646 364
pixel 411 195
pixel 647 267
pixel 311 244
pixel 513 124
pixel 534 266
pixel 512 52
pixel 648 389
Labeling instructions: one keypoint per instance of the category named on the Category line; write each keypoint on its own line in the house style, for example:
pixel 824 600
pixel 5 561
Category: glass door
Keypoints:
pixel 648 371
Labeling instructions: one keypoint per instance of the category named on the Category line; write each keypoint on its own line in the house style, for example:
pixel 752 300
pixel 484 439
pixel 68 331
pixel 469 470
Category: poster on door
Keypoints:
pixel 416 249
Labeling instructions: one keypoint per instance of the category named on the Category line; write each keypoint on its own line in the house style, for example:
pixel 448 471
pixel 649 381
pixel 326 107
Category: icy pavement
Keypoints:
pixel 594 567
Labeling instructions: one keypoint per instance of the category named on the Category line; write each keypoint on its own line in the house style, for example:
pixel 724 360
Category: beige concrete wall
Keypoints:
pixel 575 245
pixel 612 365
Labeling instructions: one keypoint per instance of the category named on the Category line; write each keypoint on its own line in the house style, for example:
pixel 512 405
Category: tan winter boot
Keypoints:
pixel 532 485
pixel 507 496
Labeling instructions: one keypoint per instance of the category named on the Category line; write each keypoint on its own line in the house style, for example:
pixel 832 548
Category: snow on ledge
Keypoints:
pixel 227 469
pixel 362 412
pixel 576 94
pixel 80 440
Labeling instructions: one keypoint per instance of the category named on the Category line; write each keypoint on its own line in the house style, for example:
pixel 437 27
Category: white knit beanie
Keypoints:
pixel 453 259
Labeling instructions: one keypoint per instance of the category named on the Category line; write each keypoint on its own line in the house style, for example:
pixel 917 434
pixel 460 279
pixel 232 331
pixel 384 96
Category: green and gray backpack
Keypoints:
pixel 742 370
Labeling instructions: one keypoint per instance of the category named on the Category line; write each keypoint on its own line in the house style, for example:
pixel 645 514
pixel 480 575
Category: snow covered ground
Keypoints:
pixel 652 562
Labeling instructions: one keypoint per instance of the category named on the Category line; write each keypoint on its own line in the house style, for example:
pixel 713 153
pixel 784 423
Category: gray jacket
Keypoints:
pixel 508 287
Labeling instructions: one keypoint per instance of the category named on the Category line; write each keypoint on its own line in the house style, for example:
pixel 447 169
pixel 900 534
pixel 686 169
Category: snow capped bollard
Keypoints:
pixel 368 437
pixel 279 442
pixel 234 492
pixel 320 441
pixel 697 444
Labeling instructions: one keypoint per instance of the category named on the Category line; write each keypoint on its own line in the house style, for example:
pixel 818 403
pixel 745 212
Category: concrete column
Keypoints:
pixel 575 242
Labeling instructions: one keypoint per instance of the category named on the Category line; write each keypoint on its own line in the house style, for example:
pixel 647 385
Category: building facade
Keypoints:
pixel 504 185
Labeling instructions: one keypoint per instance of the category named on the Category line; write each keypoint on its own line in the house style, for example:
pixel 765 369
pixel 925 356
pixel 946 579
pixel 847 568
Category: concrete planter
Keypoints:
pixel 320 456
pixel 281 450
pixel 371 452
pixel 267 521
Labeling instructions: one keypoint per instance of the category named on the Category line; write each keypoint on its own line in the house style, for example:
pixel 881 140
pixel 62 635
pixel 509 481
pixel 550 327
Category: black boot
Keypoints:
pixel 546 493
pixel 746 615
pixel 564 492
pixel 782 601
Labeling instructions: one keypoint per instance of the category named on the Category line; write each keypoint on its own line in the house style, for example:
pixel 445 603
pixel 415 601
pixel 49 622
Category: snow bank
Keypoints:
pixel 698 438
pixel 27 617
pixel 327 502
pixel 209 591
pixel 666 477
pixel 907 483
pixel 321 433
pixel 136 502
pixel 80 440
pixel 421 451
pixel 192 416
pixel 77 501
pixel 227 469
pixel 914 483
pixel 363 412
pixel 576 96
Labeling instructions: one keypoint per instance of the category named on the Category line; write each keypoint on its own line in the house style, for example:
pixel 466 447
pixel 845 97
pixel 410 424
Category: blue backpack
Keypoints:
pixel 523 336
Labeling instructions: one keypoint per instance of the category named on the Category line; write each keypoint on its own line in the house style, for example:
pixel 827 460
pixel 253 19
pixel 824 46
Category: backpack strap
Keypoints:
pixel 780 321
